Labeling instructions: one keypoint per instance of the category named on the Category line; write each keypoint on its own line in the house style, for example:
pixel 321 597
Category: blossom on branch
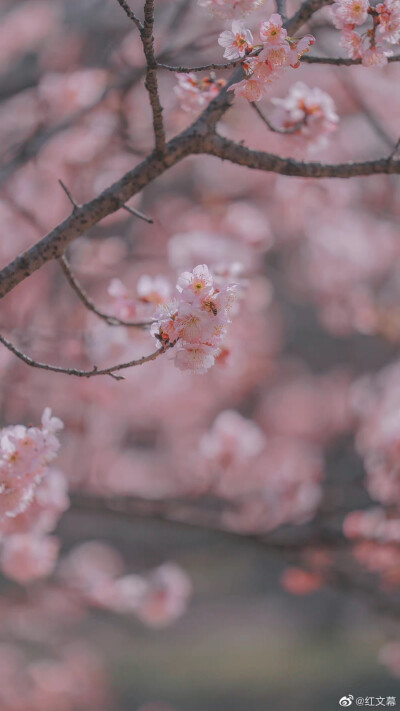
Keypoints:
pixel 267 60
pixel 196 319
pixel 238 42
pixel 194 93
pixel 311 111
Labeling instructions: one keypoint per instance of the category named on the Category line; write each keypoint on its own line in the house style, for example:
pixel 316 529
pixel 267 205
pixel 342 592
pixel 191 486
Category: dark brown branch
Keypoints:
pixel 90 305
pixel 275 129
pixel 151 82
pixel 340 61
pixel 131 14
pixel 259 160
pixel 112 199
pixel 82 373
pixel 203 68
pixel 304 13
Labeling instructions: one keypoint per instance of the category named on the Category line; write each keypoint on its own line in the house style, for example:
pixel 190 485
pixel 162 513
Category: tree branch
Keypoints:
pixel 259 160
pixel 340 61
pixel 83 373
pixel 203 68
pixel 90 305
pixel 151 83
pixel 131 14
pixel 53 245
pixel 271 126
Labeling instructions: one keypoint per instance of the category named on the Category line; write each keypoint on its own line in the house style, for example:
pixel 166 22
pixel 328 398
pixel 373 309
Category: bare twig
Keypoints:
pixel 138 214
pixel 90 305
pixel 340 61
pixel 73 202
pixel 82 373
pixel 203 68
pixel 273 128
pixel 131 14
pixel 151 82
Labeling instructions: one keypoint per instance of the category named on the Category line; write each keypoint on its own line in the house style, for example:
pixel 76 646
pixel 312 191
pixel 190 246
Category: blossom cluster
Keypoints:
pixel 93 571
pixel 74 680
pixel 307 113
pixel 195 320
pixel 264 62
pixel 370 47
pixel 231 8
pixel 32 497
pixel 194 93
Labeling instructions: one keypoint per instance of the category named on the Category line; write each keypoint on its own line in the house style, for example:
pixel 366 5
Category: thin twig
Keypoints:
pixel 151 82
pixel 275 129
pixel 340 61
pixel 83 373
pixel 137 213
pixel 90 305
pixel 131 14
pixel 69 196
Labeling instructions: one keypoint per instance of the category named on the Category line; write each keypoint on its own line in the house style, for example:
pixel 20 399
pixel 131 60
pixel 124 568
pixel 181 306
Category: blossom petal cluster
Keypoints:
pixel 370 46
pixel 238 42
pixel 196 319
pixel 94 572
pixel 194 93
pixel 32 498
pixel 229 9
pixel 25 453
pixel 264 62
pixel 309 110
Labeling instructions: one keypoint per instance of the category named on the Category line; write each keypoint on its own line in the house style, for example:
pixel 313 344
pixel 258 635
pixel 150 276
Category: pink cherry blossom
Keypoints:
pixel 231 8
pixel 272 32
pixel 312 110
pixel 196 320
pixel 349 12
pixel 237 42
pixel 25 557
pixel 389 21
pixel 352 42
pixel 194 93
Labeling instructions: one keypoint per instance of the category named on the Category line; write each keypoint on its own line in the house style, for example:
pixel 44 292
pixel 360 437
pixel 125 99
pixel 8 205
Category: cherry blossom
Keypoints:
pixel 25 557
pixel 276 52
pixel 231 8
pixel 350 12
pixel 195 93
pixel 311 110
pixel 238 42
pixel 196 320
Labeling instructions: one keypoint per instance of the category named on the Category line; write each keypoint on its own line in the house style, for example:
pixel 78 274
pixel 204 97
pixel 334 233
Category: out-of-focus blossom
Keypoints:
pixel 312 111
pixel 195 93
pixel 25 453
pixel 301 582
pixel 25 557
pixel 389 21
pixel 231 8
pixel 350 12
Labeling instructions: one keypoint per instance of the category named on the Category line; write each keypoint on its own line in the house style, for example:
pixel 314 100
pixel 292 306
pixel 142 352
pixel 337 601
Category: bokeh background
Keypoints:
pixel 310 359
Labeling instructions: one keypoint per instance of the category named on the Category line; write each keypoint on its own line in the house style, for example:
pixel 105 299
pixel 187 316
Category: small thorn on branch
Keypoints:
pixel 69 196
pixel 137 213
